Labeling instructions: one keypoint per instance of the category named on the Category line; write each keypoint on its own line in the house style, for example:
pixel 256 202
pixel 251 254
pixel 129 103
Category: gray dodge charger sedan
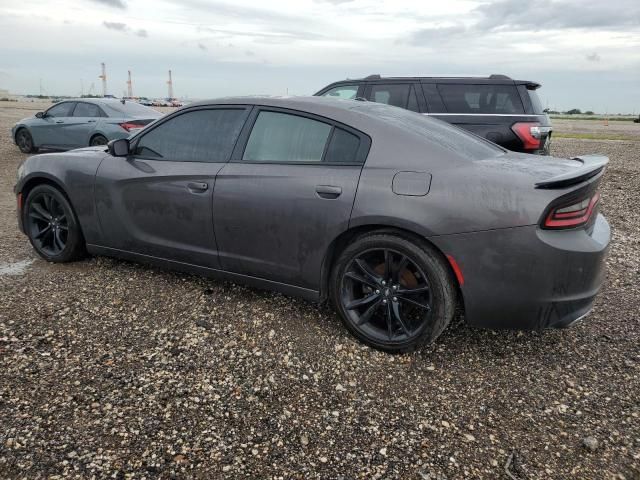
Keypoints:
pixel 81 122
pixel 394 217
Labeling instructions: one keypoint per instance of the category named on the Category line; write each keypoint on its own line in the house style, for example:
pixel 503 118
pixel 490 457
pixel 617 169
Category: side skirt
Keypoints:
pixel 248 280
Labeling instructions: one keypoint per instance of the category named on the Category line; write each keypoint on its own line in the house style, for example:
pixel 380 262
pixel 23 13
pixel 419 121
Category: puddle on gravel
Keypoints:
pixel 16 268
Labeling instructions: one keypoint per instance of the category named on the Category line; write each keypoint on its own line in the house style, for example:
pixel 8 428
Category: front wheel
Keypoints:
pixel 52 226
pixel 392 293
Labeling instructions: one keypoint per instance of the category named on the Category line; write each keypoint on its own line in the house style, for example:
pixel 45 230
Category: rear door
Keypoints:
pixel 286 194
pixel 158 201
pixel 51 130
pixel 82 123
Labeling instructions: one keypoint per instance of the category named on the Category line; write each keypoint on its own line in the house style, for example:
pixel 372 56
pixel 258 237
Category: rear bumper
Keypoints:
pixel 529 278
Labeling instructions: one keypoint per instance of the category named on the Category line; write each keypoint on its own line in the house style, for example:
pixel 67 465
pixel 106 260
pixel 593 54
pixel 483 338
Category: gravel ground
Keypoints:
pixel 112 369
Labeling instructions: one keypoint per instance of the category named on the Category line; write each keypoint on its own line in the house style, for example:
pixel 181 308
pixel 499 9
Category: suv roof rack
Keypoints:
pixel 494 76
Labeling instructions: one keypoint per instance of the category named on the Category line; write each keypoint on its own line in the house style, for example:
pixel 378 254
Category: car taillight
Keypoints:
pixel 576 214
pixel 128 126
pixel 529 133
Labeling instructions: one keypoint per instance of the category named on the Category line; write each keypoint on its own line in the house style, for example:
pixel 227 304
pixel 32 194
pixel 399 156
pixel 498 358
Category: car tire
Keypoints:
pixel 98 141
pixel 24 140
pixel 392 292
pixel 52 226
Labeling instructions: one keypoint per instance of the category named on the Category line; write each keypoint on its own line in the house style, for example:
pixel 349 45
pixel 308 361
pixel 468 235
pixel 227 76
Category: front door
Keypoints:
pixel 158 201
pixel 51 130
pixel 287 193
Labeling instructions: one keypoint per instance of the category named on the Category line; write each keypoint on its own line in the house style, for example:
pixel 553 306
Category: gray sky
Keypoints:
pixel 586 53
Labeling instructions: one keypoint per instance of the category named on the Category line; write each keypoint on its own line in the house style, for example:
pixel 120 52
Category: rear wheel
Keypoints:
pixel 25 141
pixel 98 140
pixel 52 226
pixel 392 293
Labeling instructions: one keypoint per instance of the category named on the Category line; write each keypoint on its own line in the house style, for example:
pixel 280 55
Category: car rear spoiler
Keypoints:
pixel 591 166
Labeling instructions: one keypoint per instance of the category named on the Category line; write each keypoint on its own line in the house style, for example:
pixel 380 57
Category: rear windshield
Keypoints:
pixel 132 109
pixel 535 101
pixel 487 99
pixel 440 133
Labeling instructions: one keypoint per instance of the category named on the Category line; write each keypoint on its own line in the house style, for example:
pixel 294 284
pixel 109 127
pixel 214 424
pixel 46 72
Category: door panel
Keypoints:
pixel 158 201
pixel 83 122
pixel 276 221
pixel 51 130
pixel 159 208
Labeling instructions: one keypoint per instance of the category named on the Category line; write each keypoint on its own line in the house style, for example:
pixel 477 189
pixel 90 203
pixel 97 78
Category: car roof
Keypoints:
pixel 361 115
pixel 494 78
pixel 99 101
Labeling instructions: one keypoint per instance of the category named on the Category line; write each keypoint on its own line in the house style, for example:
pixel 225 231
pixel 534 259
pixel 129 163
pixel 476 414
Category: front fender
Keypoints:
pixel 73 173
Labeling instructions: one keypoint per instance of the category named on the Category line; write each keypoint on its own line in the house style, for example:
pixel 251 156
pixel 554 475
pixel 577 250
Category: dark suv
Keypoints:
pixel 498 108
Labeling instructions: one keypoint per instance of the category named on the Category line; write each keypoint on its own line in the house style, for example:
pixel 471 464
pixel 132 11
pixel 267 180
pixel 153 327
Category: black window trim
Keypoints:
pixel 133 141
pixel 243 139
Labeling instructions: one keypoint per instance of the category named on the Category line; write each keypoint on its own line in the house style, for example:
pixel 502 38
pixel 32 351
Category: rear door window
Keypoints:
pixel 482 99
pixel 347 92
pixel 397 94
pixel 87 110
pixel 283 138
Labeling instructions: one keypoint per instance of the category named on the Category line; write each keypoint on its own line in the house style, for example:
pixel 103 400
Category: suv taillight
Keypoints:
pixel 529 133
pixel 572 215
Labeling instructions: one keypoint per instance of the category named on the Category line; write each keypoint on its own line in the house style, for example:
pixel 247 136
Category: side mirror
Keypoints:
pixel 119 147
pixel 40 115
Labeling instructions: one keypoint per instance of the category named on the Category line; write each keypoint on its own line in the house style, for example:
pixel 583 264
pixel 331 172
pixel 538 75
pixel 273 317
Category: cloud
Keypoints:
pixel 202 47
pixel 335 2
pixel 515 15
pixel 429 36
pixel 123 27
pixel 112 3
pixel 593 57
pixel 249 53
pixel 120 27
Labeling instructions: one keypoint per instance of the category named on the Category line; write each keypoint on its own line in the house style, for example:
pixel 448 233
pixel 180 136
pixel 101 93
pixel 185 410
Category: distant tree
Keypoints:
pixel 589 112
pixel 574 111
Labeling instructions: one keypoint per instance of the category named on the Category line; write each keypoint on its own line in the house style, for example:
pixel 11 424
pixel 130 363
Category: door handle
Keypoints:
pixel 91 121
pixel 328 191
pixel 198 186
pixel 59 121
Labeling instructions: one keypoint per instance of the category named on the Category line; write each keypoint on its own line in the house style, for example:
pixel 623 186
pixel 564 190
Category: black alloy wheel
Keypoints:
pixel 393 294
pixel 51 225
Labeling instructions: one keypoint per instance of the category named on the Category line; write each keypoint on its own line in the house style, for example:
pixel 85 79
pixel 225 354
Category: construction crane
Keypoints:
pixel 170 84
pixel 129 86
pixel 104 80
